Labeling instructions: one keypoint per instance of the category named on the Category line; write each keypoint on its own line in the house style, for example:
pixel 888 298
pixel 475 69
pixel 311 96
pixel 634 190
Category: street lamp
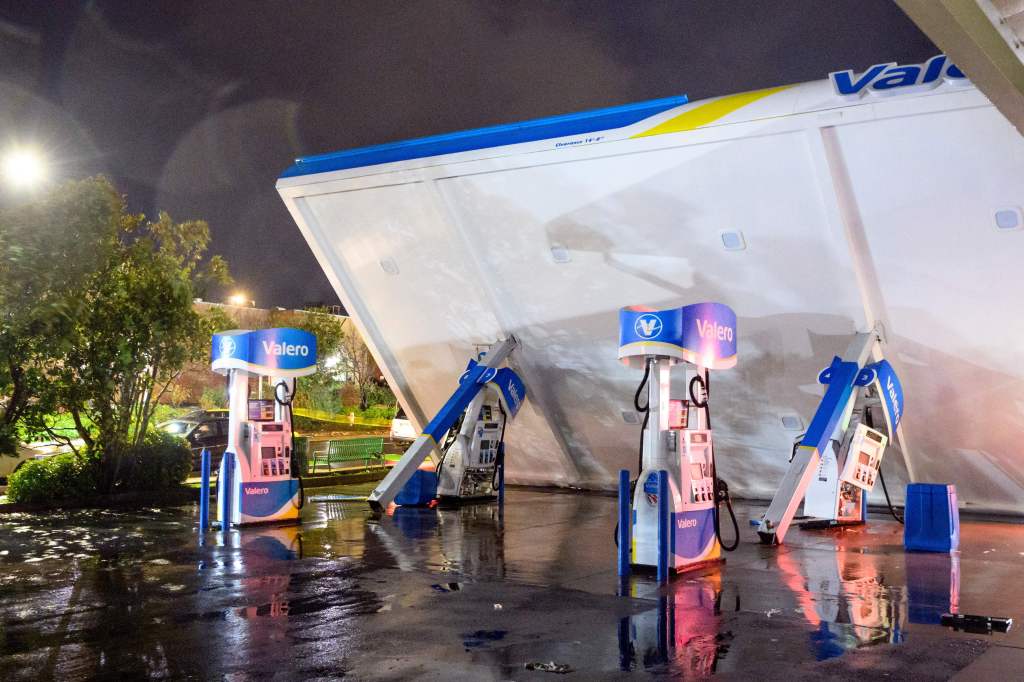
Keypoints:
pixel 241 299
pixel 23 168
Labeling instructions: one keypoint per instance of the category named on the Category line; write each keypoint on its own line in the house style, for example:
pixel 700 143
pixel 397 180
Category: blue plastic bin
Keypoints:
pixel 931 519
pixel 419 490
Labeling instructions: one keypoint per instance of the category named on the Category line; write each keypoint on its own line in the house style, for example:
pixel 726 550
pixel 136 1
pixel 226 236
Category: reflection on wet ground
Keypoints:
pixel 477 594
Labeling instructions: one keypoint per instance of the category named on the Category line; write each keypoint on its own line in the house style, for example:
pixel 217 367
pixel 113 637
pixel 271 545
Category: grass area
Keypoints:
pixel 307 421
pixel 64 424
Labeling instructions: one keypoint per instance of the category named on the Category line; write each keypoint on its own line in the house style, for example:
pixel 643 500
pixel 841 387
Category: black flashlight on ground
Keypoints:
pixel 984 625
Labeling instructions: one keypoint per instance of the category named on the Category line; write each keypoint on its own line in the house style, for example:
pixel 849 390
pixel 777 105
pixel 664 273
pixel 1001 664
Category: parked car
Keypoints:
pixel 401 428
pixel 202 429
pixel 11 463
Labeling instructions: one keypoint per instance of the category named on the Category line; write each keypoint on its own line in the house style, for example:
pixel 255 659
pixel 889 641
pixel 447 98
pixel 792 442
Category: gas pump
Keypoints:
pixel 467 469
pixel 676 433
pixel 836 462
pixel 469 432
pixel 264 484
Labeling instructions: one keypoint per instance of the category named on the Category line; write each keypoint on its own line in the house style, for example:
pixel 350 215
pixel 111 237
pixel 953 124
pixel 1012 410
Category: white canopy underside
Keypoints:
pixel 882 208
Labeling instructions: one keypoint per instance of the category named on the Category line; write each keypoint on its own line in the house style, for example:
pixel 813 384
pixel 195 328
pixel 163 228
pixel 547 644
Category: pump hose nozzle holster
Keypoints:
pixel 722 497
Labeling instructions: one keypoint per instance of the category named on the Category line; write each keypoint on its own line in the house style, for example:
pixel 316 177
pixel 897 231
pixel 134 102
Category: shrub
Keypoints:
pixel 54 479
pixel 378 395
pixel 323 397
pixel 165 413
pixel 382 412
pixel 163 461
pixel 213 398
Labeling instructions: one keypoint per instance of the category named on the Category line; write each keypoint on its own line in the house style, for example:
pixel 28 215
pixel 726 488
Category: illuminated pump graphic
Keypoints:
pixel 836 462
pixel 676 433
pixel 468 432
pixel 264 485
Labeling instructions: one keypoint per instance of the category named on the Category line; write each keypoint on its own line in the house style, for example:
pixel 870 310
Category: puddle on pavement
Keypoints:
pixel 130 574
pixel 480 638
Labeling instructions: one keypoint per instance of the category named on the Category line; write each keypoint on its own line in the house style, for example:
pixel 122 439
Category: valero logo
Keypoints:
pixel 288 349
pixel 647 326
pixel 883 79
pixel 227 346
pixel 709 329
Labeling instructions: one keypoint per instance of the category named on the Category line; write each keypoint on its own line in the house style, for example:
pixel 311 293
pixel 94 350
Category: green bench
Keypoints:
pixel 365 450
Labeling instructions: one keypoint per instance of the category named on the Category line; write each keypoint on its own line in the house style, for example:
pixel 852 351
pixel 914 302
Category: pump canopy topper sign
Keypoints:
pixel 703 334
pixel 891 78
pixel 281 352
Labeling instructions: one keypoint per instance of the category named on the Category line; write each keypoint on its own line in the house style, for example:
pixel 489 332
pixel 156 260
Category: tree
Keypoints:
pixel 316 389
pixel 50 248
pixel 341 353
pixel 127 326
pixel 356 362
pixel 138 333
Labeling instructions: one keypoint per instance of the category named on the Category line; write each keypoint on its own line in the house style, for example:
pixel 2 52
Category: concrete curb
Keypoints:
pixel 183 495
pixel 141 498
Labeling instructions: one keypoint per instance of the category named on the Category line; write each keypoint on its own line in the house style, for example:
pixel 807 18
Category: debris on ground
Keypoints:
pixel 550 667
pixel 447 587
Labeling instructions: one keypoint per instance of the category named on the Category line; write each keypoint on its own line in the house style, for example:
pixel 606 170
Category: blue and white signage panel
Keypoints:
pixel 282 352
pixel 703 334
pixel 709 335
pixel 512 389
pixel 891 390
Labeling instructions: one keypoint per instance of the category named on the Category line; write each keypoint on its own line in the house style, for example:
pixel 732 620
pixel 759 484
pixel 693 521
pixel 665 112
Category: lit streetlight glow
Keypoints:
pixel 23 168
pixel 240 299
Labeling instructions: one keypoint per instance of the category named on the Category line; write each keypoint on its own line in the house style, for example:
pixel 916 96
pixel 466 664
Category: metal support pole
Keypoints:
pixel 663 525
pixel 625 524
pixel 663 626
pixel 625 648
pixel 204 492
pixel 501 475
pixel 227 506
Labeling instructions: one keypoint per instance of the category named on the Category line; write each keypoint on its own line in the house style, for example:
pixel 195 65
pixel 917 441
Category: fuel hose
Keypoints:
pixel 720 488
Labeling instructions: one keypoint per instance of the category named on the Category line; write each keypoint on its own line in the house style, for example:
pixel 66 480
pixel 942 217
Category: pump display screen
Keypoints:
pixel 678 414
pixel 261 410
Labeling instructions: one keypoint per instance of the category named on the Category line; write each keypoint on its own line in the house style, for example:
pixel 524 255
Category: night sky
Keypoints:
pixel 195 107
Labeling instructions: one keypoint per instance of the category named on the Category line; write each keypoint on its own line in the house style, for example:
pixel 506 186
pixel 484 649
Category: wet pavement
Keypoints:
pixel 477 595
